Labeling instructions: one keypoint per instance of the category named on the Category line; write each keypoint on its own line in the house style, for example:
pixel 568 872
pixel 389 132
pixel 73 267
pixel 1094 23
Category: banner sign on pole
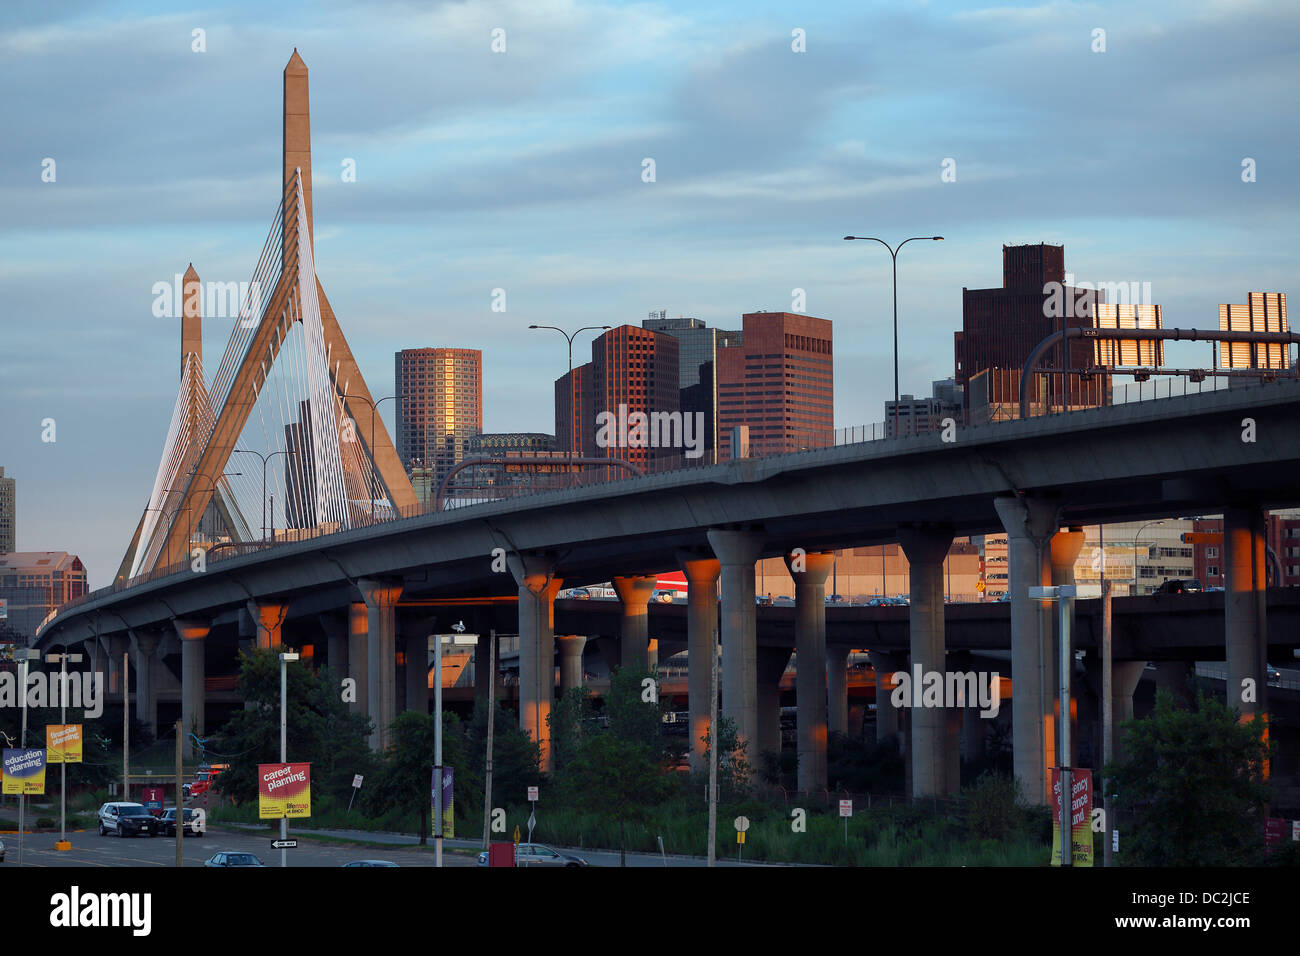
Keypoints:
pixel 448 803
pixel 24 770
pixel 283 790
pixel 1080 817
pixel 63 743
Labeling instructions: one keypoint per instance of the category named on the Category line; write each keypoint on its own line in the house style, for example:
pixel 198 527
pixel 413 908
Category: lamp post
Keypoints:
pixel 374 461
pixel 1064 594
pixel 265 459
pixel 285 657
pixel 573 411
pixel 25 656
pixel 893 252
pixel 62 661
pixel 1135 550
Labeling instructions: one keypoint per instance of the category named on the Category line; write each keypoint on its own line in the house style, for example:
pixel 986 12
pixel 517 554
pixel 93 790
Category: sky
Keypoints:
pixel 774 128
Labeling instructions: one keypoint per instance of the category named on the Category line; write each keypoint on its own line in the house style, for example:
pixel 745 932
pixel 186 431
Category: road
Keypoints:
pixel 92 850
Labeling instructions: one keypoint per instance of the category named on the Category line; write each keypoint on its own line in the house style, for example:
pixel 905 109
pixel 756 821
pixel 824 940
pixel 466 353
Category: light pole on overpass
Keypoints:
pixel 265 459
pixel 1135 550
pixel 573 411
pixel 893 252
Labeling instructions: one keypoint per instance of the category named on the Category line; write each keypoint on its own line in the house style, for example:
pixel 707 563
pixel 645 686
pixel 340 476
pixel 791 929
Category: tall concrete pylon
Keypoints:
pixel 291 295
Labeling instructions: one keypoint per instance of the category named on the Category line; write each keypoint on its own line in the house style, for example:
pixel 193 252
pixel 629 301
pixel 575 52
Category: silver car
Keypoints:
pixel 537 854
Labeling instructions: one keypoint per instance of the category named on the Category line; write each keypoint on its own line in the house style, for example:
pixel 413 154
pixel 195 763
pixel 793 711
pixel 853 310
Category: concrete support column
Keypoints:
pixel 359 656
pixel 381 610
pixel 1063 551
pixel 538 585
pixel 1029 524
pixel 837 690
pixel 1244 620
pixel 571 647
pixel 701 622
pixel 268 620
pixel 336 642
pixel 146 690
pixel 634 593
pixel 926 549
pixel 809 573
pixel 1124 678
pixel 1176 677
pixel 771 666
pixel 115 646
pixel 887 715
pixel 416 646
pixel 737 551
pixel 192 632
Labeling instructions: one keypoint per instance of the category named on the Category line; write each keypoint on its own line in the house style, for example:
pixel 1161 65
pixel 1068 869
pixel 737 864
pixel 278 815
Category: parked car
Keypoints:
pixel 576 594
pixel 370 863
pixel 536 854
pixel 168 822
pixel 227 858
pixel 126 819
pixel 662 596
pixel 763 600
pixel 1274 677
pixel 1179 586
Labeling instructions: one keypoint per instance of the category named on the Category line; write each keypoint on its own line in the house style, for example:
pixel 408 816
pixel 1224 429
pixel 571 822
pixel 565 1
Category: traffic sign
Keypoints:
pixel 979 586
pixel 284 844
pixel 356 780
pixel 532 793
pixel 742 824
pixel 846 808
pixel 740 836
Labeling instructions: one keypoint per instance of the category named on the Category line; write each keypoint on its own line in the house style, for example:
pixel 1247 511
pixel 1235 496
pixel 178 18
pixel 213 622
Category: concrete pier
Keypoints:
pixel 809 572
pixel 736 552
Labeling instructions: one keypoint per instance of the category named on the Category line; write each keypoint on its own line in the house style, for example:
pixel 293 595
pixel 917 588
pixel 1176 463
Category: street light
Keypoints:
pixel 374 459
pixel 25 656
pixel 285 657
pixel 893 252
pixel 1135 550
pixel 62 661
pixel 1065 595
pixel 573 401
pixel 265 459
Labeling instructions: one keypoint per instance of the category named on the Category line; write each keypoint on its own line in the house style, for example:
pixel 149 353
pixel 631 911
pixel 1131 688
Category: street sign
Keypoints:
pixel 532 793
pixel 740 836
pixel 742 824
pixel 284 844
pixel 356 781
pixel 516 834
pixel 979 586
pixel 846 808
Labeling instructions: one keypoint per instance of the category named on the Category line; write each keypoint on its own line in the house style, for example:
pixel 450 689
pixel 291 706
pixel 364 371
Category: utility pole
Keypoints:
pixel 126 728
pixel 437 749
pixel 285 657
pixel 180 801
pixel 713 747
pixel 492 712
pixel 1107 716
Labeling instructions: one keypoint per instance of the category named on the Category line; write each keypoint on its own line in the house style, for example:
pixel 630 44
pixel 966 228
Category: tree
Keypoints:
pixel 570 720
pixel 619 778
pixel 734 772
pixel 1192 785
pixel 516 758
pixel 321 729
pixel 404 780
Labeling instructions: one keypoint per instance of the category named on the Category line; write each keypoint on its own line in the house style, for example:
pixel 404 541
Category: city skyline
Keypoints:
pixel 744 218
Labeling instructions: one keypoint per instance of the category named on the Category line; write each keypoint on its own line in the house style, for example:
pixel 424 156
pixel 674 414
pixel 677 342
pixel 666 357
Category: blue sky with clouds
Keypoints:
pixel 522 170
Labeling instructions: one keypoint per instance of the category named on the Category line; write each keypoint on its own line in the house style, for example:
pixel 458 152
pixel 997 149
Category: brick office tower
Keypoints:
pixel 439 406
pixel 697 365
pixel 1000 327
pixel 573 412
pixel 631 370
pixel 8 515
pixel 779 383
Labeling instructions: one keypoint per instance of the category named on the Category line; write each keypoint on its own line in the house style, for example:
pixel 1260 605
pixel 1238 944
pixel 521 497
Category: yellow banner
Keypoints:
pixel 63 743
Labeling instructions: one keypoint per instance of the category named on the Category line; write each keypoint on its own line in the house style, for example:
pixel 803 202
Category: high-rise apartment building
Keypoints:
pixel 917 416
pixel 439 406
pixel 8 513
pixel 1000 327
pixel 573 412
pixel 697 366
pixel 34 583
pixel 779 382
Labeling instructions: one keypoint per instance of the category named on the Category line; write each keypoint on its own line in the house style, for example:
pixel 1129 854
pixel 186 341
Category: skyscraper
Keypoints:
pixel 1000 327
pixel 697 366
pixel 439 406
pixel 779 382
pixel 632 372
pixel 8 513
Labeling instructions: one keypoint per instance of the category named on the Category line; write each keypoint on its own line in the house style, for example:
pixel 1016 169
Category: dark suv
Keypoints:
pixel 126 819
